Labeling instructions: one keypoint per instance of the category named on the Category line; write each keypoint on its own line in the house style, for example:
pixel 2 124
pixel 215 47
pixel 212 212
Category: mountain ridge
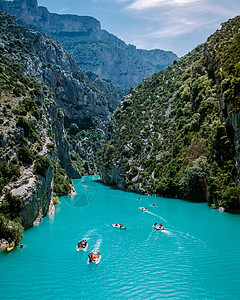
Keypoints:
pixel 95 49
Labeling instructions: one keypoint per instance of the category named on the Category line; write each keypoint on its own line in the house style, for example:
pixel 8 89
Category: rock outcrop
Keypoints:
pixel 95 49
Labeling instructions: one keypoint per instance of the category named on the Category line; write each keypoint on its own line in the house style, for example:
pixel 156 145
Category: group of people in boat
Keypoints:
pixel 12 245
pixel 82 244
pixel 119 225
pixel 142 208
pixel 93 256
pixel 160 226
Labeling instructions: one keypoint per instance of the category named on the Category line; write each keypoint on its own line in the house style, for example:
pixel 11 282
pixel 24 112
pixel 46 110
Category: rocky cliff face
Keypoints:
pixel 27 142
pixel 88 104
pixel 42 92
pixel 95 49
pixel 185 138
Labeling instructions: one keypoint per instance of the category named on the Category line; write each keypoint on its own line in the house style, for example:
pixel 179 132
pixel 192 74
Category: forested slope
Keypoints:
pixel 177 133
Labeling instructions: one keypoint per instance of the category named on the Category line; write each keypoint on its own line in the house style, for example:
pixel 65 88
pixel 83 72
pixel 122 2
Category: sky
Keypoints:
pixel 175 25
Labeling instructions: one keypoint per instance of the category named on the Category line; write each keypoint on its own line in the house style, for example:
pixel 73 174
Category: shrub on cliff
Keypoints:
pixel 10 229
pixel 9 171
pixel 26 125
pixel 11 206
pixel 42 164
pixel 25 155
pixel 194 182
pixel 10 223
pixel 61 182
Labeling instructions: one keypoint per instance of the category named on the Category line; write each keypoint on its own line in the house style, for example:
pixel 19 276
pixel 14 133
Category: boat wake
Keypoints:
pixel 186 235
pixel 97 245
pixel 156 216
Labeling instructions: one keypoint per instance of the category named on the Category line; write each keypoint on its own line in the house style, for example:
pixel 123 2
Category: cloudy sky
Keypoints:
pixel 176 25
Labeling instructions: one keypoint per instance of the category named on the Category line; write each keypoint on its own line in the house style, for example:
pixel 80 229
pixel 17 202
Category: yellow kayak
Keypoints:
pixel 10 248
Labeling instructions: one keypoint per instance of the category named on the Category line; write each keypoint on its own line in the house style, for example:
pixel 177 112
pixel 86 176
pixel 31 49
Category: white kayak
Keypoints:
pixel 82 248
pixel 96 261
pixel 118 226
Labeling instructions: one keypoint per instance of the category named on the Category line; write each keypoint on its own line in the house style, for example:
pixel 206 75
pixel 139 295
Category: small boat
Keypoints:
pixel 158 227
pixel 10 248
pixel 142 208
pixel 82 247
pixel 96 260
pixel 119 226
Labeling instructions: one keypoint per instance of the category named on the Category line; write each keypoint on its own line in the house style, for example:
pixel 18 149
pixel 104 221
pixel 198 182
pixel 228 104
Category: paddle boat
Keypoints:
pixel 82 245
pixel 10 248
pixel 158 227
pixel 143 208
pixel 120 226
pixel 94 258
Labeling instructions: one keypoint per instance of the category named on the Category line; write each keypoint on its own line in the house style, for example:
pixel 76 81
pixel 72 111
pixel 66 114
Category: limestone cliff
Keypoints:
pixel 95 49
pixel 45 97
pixel 42 90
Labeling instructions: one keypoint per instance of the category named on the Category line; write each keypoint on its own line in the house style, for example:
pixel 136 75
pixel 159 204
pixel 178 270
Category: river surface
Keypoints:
pixel 197 256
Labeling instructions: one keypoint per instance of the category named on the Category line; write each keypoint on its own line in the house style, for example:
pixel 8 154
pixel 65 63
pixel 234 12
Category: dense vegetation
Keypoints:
pixel 176 134
pixel 27 144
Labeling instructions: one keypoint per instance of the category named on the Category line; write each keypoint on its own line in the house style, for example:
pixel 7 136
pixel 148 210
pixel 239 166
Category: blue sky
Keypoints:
pixel 176 25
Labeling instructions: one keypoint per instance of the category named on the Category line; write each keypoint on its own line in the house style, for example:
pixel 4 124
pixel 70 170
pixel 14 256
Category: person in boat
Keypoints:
pixel 21 245
pixel 139 199
pixel 94 256
pixel 90 255
pixel 121 225
pixel 160 226
pixel 154 205
pixel 116 224
pixel 81 244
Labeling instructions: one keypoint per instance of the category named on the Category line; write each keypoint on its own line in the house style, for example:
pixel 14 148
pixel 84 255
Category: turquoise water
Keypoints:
pixel 196 257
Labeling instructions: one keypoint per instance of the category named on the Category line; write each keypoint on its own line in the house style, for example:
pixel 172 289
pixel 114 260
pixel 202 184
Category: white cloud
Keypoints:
pixel 148 4
pixel 162 18
pixel 164 23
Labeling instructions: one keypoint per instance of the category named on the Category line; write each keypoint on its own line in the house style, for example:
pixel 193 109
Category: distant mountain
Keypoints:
pixel 177 134
pixel 95 49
